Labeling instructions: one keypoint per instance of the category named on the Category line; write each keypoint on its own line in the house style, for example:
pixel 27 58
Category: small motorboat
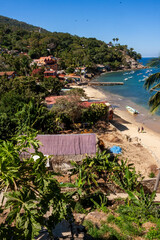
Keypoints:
pixel 131 110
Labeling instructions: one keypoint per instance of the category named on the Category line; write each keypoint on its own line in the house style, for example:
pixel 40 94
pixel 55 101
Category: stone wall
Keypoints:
pixel 62 163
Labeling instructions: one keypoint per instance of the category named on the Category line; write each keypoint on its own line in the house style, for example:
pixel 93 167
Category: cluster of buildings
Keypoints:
pixel 50 66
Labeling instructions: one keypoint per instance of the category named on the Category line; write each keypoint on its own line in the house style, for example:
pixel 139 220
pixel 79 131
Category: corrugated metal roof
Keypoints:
pixel 67 144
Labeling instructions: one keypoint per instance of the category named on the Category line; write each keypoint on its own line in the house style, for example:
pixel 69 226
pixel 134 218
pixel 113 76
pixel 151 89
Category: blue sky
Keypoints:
pixel 135 22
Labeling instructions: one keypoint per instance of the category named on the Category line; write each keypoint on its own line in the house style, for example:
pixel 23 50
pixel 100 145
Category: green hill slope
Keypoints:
pixel 72 50
pixel 5 21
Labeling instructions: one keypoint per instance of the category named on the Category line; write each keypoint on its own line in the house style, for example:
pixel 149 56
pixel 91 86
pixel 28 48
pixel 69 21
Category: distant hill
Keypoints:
pixel 71 50
pixel 15 23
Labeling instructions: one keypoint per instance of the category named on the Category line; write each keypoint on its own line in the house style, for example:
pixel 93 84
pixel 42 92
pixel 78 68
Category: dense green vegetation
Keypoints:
pixel 18 24
pixel 125 220
pixel 31 192
pixel 34 199
pixel 22 106
pixel 72 50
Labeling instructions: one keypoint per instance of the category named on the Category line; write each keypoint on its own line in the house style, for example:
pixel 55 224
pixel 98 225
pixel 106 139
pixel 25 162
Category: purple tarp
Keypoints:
pixel 68 144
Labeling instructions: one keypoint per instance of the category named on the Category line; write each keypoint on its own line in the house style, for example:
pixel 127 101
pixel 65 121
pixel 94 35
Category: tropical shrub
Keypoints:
pixel 125 176
pixel 145 201
pixel 153 233
pixel 29 189
pixel 52 85
pixel 97 111
pixel 68 110
pixel 77 92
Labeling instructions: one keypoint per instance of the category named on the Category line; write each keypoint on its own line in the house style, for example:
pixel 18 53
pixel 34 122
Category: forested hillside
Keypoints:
pixel 73 51
pixel 19 24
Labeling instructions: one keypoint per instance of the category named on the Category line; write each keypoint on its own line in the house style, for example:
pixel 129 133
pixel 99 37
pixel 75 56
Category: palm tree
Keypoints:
pixel 117 39
pixel 152 84
pixel 114 39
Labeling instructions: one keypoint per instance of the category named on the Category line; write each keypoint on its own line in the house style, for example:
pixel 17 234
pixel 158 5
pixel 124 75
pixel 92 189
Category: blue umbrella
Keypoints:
pixel 116 149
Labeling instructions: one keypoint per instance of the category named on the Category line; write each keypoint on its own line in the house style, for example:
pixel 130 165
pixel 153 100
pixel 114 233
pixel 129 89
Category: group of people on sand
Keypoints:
pixel 141 129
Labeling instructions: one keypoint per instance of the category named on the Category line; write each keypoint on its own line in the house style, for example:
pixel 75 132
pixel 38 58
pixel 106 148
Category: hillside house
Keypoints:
pixel 48 62
pixel 65 148
pixel 101 68
pixel 9 74
pixel 50 73
pixel 61 77
pixel 73 77
pixel 51 100
pixel 81 70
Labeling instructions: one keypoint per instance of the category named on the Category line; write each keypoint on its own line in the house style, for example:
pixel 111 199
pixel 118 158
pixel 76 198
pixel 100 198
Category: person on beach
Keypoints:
pixel 138 129
pixel 142 129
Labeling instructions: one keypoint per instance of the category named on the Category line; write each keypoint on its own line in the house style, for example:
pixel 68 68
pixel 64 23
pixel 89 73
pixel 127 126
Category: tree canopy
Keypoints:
pixel 72 50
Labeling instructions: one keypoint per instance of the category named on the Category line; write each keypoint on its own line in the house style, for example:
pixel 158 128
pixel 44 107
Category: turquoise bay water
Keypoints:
pixel 132 92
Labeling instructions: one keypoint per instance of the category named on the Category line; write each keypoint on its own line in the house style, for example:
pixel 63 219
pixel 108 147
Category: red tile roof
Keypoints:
pixel 7 73
pixel 72 76
pixel 49 71
pixel 36 71
pixel 53 99
pixel 61 75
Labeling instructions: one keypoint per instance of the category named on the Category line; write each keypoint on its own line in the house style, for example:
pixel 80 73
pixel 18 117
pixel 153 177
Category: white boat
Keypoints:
pixel 142 80
pixel 130 77
pixel 125 79
pixel 131 110
pixel 139 74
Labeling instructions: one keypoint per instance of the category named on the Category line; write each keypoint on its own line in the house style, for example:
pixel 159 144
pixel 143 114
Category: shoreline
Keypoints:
pixel 116 71
pixel 149 139
pixel 144 117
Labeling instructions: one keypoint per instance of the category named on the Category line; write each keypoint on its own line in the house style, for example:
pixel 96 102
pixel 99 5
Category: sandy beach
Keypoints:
pixel 142 149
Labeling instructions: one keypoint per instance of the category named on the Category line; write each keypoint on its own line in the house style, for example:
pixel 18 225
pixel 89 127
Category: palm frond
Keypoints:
pixel 154 78
pixel 155 62
pixel 154 102
pixel 155 88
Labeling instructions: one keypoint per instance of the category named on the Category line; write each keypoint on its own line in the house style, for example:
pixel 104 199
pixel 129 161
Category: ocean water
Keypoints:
pixel 132 93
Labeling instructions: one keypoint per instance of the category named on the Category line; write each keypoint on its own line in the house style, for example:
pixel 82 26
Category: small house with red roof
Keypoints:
pixel 9 74
pixel 48 62
pixel 51 73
